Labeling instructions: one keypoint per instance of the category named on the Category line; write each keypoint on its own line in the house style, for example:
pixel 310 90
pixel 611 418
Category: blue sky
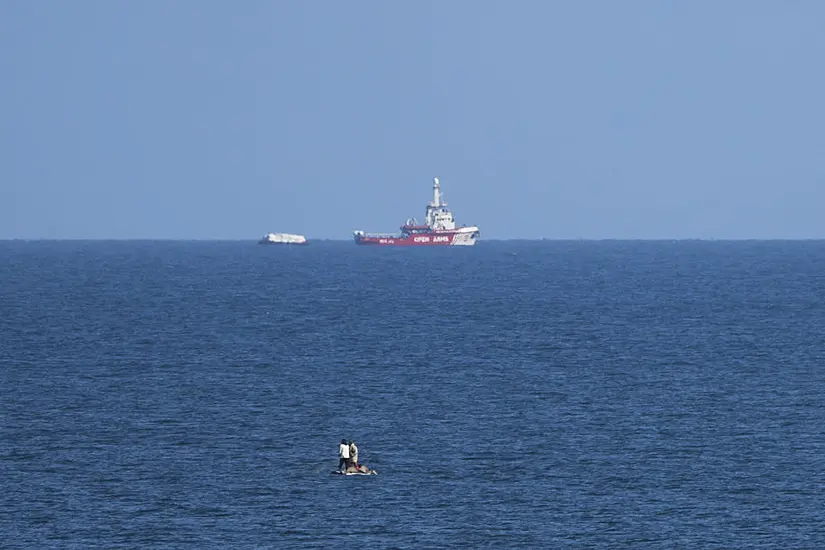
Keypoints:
pixel 587 119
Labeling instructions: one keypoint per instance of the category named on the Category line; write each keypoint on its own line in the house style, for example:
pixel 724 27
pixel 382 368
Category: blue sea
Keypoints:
pixel 523 394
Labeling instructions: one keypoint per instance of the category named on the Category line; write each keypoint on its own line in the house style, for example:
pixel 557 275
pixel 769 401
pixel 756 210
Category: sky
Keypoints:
pixel 199 119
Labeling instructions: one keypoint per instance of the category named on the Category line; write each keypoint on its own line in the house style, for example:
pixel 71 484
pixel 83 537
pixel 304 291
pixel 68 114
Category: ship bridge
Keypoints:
pixel 439 217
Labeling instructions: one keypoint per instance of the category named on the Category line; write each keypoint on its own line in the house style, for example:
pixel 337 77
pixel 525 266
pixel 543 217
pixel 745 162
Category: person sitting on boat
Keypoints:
pixel 353 454
pixel 343 455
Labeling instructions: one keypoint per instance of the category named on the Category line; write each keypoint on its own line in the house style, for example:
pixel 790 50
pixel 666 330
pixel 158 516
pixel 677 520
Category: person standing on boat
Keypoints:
pixel 353 453
pixel 343 455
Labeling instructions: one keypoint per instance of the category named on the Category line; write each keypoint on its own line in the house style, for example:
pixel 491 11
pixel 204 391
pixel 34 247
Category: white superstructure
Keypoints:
pixel 438 216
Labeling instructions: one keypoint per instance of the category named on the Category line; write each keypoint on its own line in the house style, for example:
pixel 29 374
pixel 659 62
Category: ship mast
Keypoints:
pixel 437 202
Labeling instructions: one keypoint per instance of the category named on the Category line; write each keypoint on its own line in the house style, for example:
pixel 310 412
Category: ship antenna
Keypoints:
pixel 436 193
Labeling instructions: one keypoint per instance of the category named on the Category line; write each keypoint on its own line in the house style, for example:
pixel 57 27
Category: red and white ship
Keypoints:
pixel 438 229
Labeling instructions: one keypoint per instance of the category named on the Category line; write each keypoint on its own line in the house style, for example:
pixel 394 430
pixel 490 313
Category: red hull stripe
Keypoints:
pixel 412 240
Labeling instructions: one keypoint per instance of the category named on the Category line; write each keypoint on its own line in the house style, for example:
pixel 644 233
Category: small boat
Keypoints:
pixel 360 471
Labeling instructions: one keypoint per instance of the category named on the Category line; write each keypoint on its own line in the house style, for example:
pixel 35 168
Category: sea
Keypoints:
pixel 516 394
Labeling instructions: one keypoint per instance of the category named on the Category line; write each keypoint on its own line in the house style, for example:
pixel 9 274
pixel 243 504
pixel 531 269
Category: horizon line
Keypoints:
pixel 319 239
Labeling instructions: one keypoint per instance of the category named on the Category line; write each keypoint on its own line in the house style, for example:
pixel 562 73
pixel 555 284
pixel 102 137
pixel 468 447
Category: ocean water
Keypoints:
pixel 534 394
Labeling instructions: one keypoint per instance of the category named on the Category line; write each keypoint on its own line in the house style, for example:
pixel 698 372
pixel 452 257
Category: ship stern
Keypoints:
pixel 466 236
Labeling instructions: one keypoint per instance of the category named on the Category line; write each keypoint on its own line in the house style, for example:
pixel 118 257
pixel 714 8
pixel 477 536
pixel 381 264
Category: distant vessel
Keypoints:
pixel 282 238
pixel 438 229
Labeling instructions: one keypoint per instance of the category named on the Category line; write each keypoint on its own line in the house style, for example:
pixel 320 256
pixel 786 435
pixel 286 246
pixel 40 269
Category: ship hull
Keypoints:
pixel 427 239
